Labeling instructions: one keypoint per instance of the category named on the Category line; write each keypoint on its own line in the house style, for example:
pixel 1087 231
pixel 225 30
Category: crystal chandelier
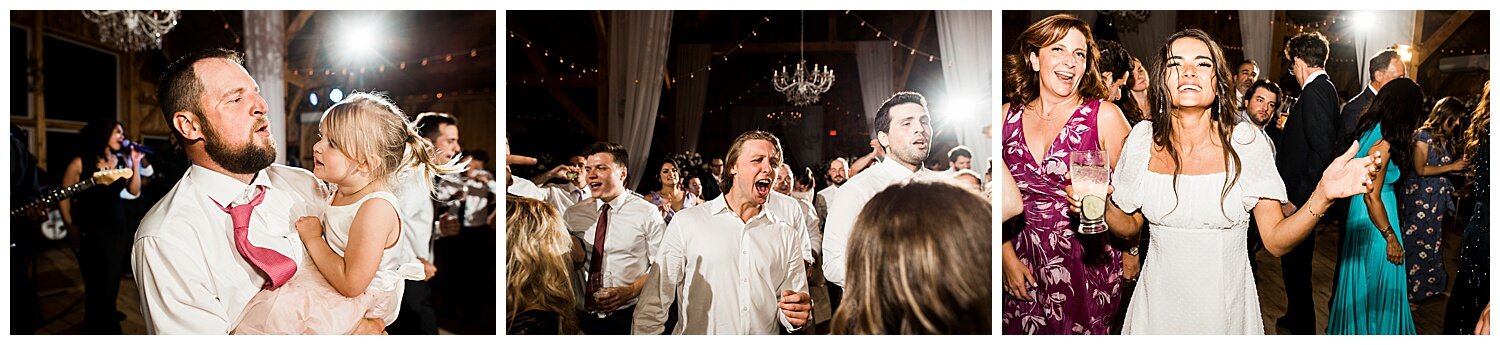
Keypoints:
pixel 802 86
pixel 133 31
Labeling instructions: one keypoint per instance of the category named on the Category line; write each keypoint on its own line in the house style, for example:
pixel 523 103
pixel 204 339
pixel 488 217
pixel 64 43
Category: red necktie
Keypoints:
pixel 596 263
pixel 278 268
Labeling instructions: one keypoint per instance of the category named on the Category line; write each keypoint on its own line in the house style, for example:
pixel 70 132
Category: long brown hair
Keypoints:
pixel 897 259
pixel 1445 122
pixel 1024 85
pixel 1478 133
pixel 536 263
pixel 1221 112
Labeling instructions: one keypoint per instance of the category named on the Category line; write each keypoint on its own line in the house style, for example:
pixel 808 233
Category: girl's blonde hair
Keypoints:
pixel 536 263
pixel 369 129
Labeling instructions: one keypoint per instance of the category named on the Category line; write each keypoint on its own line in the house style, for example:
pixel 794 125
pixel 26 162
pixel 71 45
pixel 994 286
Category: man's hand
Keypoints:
pixel 448 225
pixel 797 307
pixel 616 296
pixel 428 269
pixel 369 327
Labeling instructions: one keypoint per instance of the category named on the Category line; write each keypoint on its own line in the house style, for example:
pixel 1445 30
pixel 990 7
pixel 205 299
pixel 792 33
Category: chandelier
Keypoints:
pixel 802 86
pixel 133 31
pixel 1127 21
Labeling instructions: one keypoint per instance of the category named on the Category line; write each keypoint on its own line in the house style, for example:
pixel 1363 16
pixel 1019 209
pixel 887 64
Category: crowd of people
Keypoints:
pixel 746 244
pixel 1205 171
pixel 220 240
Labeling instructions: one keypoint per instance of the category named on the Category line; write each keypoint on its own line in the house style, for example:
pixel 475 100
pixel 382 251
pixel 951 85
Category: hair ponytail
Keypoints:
pixel 419 157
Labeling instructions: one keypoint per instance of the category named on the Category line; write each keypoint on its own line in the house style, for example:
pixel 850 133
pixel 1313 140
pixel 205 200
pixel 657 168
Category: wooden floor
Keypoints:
pixel 1428 317
pixel 60 291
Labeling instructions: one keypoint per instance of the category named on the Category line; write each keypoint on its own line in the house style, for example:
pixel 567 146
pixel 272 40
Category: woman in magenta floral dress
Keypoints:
pixel 1057 282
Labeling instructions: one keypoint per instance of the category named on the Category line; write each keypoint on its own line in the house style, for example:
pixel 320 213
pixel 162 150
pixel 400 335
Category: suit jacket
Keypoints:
pixel 1356 106
pixel 1308 139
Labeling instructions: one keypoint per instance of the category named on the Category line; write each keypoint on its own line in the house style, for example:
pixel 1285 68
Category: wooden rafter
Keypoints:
pixel 910 58
pixel 556 92
pixel 1432 43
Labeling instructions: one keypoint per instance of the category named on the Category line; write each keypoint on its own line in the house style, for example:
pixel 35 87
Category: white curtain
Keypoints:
pixel 637 57
pixel 964 40
pixel 265 41
pixel 1389 27
pixel 876 75
pixel 1255 31
pixel 1149 34
pixel 692 91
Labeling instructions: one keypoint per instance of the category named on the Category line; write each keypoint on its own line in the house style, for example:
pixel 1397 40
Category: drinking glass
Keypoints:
pixel 1091 183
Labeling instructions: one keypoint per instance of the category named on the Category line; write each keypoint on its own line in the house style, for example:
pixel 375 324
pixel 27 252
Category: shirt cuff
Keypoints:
pixel 125 195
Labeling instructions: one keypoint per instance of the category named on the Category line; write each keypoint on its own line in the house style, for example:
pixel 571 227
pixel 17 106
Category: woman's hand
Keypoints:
pixel 1393 251
pixel 309 227
pixel 1460 165
pixel 1018 279
pixel 1348 175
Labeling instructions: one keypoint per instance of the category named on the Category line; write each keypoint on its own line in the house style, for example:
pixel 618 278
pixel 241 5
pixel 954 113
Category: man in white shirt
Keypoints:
pixel 191 276
pixel 904 130
pixel 564 195
pixel 838 173
pixel 630 229
pixel 734 266
pixel 418 317
pixel 959 159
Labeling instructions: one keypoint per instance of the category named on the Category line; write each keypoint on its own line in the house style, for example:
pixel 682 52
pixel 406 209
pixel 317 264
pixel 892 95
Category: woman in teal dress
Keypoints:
pixel 1370 297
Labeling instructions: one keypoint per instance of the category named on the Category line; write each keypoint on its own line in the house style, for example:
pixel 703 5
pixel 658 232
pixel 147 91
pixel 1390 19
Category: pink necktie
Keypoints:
pixel 278 268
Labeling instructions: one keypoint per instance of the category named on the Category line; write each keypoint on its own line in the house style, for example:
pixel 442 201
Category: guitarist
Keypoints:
pixel 100 232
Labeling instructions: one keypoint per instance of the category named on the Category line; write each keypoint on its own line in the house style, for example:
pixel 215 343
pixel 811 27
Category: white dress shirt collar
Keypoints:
pixel 1313 76
pixel 223 189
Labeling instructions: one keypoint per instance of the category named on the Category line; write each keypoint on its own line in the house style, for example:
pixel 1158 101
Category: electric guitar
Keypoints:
pixel 103 177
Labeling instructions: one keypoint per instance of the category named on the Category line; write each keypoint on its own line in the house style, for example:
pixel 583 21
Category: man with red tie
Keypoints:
pixel 225 230
pixel 620 232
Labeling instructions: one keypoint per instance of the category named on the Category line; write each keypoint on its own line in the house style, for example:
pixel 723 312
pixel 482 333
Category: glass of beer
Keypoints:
pixel 1091 184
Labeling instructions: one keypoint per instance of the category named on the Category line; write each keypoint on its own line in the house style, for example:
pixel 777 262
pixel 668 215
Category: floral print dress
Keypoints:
pixel 1425 201
pixel 1071 296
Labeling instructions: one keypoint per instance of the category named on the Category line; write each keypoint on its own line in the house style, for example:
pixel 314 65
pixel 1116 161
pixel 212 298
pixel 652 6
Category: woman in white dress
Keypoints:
pixel 1196 178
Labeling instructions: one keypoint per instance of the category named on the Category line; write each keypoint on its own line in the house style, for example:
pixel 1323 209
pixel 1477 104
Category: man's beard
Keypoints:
pixel 247 159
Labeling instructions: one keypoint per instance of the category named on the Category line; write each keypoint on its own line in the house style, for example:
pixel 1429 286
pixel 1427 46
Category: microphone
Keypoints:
pixel 138 147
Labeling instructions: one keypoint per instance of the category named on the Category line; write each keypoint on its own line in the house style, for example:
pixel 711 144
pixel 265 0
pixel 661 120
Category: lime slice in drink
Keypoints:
pixel 1093 207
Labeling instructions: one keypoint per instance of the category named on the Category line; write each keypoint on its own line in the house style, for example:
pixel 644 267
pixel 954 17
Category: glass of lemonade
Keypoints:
pixel 1091 184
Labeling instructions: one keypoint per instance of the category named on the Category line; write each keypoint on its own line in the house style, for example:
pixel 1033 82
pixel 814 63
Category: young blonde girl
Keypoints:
pixel 358 267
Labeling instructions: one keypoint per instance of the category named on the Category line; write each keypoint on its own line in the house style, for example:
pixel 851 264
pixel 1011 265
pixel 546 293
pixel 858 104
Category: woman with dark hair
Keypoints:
pixel 1427 197
pixel 1469 306
pixel 1182 173
pixel 1140 80
pixel 895 261
pixel 1118 69
pixel 102 235
pixel 1370 294
pixel 671 196
pixel 1057 282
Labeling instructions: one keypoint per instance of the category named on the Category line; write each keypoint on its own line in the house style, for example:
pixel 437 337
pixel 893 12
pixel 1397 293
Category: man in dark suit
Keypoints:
pixel 1306 148
pixel 1384 67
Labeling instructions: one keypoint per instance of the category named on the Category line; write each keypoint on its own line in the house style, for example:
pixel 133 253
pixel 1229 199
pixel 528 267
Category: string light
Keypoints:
pixel 913 51
pixel 569 63
pixel 447 58
pixel 754 32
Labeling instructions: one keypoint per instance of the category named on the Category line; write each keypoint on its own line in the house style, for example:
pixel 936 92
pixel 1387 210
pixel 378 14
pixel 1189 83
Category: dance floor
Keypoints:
pixel 1428 317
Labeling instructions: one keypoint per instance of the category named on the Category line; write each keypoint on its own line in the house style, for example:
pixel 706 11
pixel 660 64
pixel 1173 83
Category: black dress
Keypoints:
pixel 1471 290
pixel 104 250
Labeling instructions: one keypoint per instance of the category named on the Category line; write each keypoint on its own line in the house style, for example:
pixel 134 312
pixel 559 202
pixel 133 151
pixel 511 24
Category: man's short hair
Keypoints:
pixel 1113 58
pixel 1311 47
pixel 1382 60
pixel 478 155
pixel 613 149
pixel 883 116
pixel 1262 84
pixel 428 123
pixel 959 151
pixel 180 89
pixel 1247 61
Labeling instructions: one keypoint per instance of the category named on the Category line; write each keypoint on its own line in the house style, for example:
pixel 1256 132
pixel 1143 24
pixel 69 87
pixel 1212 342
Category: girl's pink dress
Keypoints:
pixel 307 304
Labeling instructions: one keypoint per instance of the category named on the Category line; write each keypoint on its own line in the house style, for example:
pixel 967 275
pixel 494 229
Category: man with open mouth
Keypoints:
pixel 621 232
pixel 733 265
pixel 904 130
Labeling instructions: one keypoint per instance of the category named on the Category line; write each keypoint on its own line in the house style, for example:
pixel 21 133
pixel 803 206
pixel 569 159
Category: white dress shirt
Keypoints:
pixel 191 278
pixel 417 223
pixel 564 195
pixel 523 187
pixel 726 274
pixel 631 242
pixel 789 209
pixel 845 207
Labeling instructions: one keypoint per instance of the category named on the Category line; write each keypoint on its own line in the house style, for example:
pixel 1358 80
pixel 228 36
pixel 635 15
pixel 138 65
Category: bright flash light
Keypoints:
pixel 360 38
pixel 313 97
pixel 1364 20
pixel 961 107
pixel 1404 51
pixel 336 95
